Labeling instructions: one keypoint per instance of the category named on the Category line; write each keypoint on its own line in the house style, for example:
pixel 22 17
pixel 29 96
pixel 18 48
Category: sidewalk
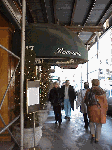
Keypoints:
pixel 72 135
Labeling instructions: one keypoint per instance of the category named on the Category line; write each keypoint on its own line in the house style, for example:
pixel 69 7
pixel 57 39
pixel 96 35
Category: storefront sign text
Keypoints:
pixel 62 51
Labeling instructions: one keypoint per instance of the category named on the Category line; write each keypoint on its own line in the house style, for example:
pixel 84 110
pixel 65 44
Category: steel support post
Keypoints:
pixel 98 51
pixel 87 66
pixel 22 69
pixel 87 71
pixel 81 80
pixel 34 128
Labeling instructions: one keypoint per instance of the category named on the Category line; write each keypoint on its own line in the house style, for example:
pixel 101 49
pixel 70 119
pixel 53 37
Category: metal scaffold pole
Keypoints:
pixel 98 51
pixel 22 70
pixel 81 77
pixel 87 66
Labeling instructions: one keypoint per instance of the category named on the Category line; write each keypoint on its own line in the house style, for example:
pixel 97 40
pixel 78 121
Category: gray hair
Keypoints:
pixel 55 83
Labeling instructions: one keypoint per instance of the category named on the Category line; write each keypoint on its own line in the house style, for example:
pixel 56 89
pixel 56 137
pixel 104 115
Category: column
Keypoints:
pixel 97 33
pixel 87 65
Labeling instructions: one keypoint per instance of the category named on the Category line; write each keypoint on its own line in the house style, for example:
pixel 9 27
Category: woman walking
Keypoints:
pixel 96 101
pixel 80 102
pixel 55 99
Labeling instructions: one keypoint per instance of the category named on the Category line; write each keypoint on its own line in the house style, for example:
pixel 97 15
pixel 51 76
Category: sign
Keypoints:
pixel 68 66
pixel 30 47
pixel 32 95
pixel 54 43
pixel 62 51
pixel 71 61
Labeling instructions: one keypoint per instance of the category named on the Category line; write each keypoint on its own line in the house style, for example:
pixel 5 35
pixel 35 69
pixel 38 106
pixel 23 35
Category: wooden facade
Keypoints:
pixel 7 66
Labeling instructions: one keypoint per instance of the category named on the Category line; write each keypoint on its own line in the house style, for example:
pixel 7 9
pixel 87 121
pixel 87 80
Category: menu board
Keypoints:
pixel 32 95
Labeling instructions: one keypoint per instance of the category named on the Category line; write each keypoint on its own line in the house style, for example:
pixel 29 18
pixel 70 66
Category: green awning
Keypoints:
pixel 54 41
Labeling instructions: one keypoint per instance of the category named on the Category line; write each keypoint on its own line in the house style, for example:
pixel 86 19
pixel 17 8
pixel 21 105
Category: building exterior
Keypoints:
pixel 98 66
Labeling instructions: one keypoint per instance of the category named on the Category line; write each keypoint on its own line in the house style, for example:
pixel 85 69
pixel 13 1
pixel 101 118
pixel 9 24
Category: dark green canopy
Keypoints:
pixel 54 41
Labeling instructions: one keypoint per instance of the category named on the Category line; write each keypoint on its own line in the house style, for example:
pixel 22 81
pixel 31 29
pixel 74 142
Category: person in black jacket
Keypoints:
pixel 55 99
pixel 69 95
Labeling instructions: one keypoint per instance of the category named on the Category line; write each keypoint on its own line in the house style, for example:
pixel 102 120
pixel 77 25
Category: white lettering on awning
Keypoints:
pixel 62 51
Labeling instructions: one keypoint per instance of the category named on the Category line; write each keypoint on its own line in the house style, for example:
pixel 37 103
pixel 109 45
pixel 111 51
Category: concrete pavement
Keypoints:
pixel 72 135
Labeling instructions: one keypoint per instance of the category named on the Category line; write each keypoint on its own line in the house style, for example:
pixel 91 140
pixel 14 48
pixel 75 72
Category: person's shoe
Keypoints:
pixel 56 122
pixel 86 127
pixel 65 117
pixel 92 140
pixel 96 141
pixel 59 123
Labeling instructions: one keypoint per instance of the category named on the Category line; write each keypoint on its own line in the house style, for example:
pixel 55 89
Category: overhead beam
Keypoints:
pixel 104 12
pixel 44 11
pixel 98 22
pixel 85 28
pixel 89 12
pixel 73 12
pixel 92 36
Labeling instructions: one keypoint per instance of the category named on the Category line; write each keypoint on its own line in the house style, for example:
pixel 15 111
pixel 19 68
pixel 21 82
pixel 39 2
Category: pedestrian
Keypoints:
pixel 80 102
pixel 68 95
pixel 55 99
pixel 97 106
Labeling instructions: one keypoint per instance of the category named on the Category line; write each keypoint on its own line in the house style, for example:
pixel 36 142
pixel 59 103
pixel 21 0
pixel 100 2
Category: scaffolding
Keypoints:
pixel 6 127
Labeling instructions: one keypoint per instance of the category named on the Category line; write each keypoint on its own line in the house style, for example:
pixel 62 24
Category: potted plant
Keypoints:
pixel 28 132
pixel 28 118
pixel 42 113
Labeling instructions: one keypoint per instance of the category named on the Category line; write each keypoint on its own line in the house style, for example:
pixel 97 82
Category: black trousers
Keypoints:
pixel 57 112
pixel 86 120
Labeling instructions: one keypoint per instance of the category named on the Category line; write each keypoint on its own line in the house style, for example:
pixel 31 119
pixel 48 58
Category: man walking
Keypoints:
pixel 68 96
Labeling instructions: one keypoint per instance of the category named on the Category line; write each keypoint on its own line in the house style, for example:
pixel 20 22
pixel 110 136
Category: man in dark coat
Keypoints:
pixel 69 95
